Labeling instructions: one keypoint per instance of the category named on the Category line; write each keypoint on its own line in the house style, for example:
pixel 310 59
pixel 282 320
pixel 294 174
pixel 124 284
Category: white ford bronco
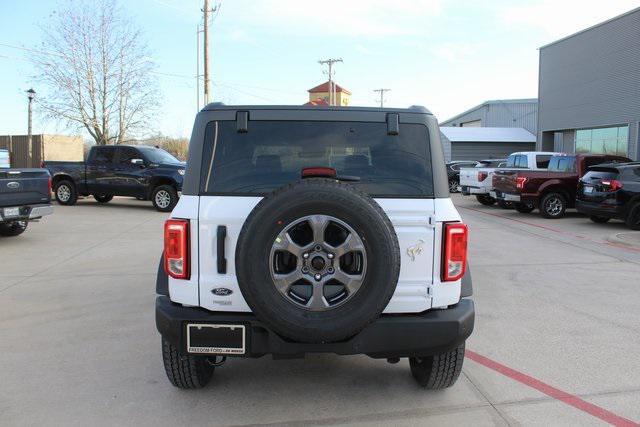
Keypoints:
pixel 314 230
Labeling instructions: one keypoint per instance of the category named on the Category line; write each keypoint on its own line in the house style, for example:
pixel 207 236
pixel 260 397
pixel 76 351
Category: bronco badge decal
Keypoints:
pixel 415 250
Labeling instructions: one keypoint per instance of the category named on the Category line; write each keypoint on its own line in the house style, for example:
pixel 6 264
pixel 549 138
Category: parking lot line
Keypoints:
pixel 555 230
pixel 549 390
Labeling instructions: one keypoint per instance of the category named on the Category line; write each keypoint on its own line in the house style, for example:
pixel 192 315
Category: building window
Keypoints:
pixel 613 140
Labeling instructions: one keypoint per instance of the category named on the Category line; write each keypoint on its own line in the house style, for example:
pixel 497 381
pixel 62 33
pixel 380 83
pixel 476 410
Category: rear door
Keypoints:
pixel 394 169
pixel 99 170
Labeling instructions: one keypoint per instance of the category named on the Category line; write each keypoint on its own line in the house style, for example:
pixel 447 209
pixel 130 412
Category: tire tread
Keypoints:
pixel 185 371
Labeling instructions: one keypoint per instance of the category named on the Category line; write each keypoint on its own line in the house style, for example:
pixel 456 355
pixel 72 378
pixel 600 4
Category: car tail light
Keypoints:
pixel 520 182
pixel 49 185
pixel 612 184
pixel 454 254
pixel 176 248
pixel 321 172
pixel 482 176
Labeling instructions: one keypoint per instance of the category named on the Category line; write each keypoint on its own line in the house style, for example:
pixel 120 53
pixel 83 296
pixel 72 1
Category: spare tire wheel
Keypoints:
pixel 317 260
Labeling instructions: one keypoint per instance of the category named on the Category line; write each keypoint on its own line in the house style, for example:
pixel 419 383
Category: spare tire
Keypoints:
pixel 317 260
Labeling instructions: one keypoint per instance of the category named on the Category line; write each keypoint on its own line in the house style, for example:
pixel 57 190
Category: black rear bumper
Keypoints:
pixel 419 334
pixel 605 210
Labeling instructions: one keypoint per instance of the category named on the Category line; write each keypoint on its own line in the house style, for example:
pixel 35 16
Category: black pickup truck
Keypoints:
pixel 139 171
pixel 25 195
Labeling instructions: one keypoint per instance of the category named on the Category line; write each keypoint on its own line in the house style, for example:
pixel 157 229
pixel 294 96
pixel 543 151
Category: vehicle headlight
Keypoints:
pixel 181 171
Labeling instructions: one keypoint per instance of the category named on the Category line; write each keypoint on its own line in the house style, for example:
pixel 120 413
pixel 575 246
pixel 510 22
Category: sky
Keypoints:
pixel 448 55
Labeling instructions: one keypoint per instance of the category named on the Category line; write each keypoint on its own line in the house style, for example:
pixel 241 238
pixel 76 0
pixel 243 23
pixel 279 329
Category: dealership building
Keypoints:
pixel 493 129
pixel 589 90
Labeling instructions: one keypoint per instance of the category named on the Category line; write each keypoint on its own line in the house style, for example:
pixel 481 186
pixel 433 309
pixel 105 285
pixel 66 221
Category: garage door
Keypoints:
pixel 486 150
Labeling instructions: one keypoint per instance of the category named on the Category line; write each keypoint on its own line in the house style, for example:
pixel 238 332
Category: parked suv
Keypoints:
pixel 314 230
pixel 138 171
pixel 610 191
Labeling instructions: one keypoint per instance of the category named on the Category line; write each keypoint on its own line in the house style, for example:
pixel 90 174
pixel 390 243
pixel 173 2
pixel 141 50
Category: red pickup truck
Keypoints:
pixel 553 190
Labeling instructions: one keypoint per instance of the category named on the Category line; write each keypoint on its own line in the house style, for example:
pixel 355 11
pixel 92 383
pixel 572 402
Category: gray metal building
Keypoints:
pixel 508 113
pixel 477 143
pixel 589 89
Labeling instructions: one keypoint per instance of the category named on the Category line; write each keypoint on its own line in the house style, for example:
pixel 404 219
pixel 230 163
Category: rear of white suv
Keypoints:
pixel 314 230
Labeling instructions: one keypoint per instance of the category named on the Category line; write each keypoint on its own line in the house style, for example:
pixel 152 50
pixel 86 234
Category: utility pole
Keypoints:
pixel 381 91
pixel 31 94
pixel 332 92
pixel 206 11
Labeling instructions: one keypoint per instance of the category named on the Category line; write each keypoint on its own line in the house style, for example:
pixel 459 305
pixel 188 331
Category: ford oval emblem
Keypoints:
pixel 13 185
pixel 221 292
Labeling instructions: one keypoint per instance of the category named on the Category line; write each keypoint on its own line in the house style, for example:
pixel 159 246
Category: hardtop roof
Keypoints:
pixel 415 109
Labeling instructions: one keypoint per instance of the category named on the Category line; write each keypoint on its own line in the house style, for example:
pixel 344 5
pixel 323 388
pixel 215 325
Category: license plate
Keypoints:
pixel 588 189
pixel 11 212
pixel 216 338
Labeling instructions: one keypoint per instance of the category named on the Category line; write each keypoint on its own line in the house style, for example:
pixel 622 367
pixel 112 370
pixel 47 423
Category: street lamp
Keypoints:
pixel 31 94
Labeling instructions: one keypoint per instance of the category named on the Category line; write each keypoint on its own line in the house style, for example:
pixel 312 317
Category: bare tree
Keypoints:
pixel 96 71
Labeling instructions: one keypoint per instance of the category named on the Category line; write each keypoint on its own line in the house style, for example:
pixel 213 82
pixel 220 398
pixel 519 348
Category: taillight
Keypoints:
pixel 454 254
pixel 49 185
pixel 520 182
pixel 611 184
pixel 315 172
pixel 176 248
pixel 482 176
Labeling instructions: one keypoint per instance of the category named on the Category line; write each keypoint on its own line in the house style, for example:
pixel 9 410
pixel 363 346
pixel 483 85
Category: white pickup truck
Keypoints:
pixel 478 181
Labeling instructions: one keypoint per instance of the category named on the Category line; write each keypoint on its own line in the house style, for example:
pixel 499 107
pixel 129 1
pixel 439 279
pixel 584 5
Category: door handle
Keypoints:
pixel 221 236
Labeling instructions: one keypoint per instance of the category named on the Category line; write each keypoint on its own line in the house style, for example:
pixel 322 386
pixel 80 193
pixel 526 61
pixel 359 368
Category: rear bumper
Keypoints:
pixel 507 197
pixel 605 210
pixel 419 334
pixel 27 212
pixel 469 190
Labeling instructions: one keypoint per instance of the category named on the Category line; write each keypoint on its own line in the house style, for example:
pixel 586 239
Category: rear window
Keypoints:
pixel 517 161
pixel 562 164
pixel 273 153
pixel 600 174
pixel 542 161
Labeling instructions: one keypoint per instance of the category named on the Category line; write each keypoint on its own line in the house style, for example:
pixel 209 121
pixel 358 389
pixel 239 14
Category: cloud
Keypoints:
pixel 557 19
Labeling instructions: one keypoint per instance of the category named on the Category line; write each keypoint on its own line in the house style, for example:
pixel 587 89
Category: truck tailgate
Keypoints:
pixel 24 187
pixel 469 177
pixel 505 182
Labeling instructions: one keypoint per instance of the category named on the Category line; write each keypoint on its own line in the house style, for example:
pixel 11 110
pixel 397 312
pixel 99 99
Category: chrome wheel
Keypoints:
pixel 163 199
pixel 554 206
pixel 318 262
pixel 63 193
pixel 453 187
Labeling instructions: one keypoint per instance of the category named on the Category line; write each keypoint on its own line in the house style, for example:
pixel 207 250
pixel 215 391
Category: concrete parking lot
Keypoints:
pixel 556 339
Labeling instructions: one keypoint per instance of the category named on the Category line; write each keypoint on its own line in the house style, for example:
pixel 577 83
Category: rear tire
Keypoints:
pixel 505 205
pixel 66 193
pixel 185 371
pixel 599 219
pixel 553 206
pixel 103 198
pixel 525 207
pixel 633 218
pixel 486 200
pixel 438 371
pixel 164 198
pixel 453 186
pixel 14 228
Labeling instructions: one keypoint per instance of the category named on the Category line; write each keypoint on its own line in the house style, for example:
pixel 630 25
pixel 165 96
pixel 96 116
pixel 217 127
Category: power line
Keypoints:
pixel 381 91
pixel 329 62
